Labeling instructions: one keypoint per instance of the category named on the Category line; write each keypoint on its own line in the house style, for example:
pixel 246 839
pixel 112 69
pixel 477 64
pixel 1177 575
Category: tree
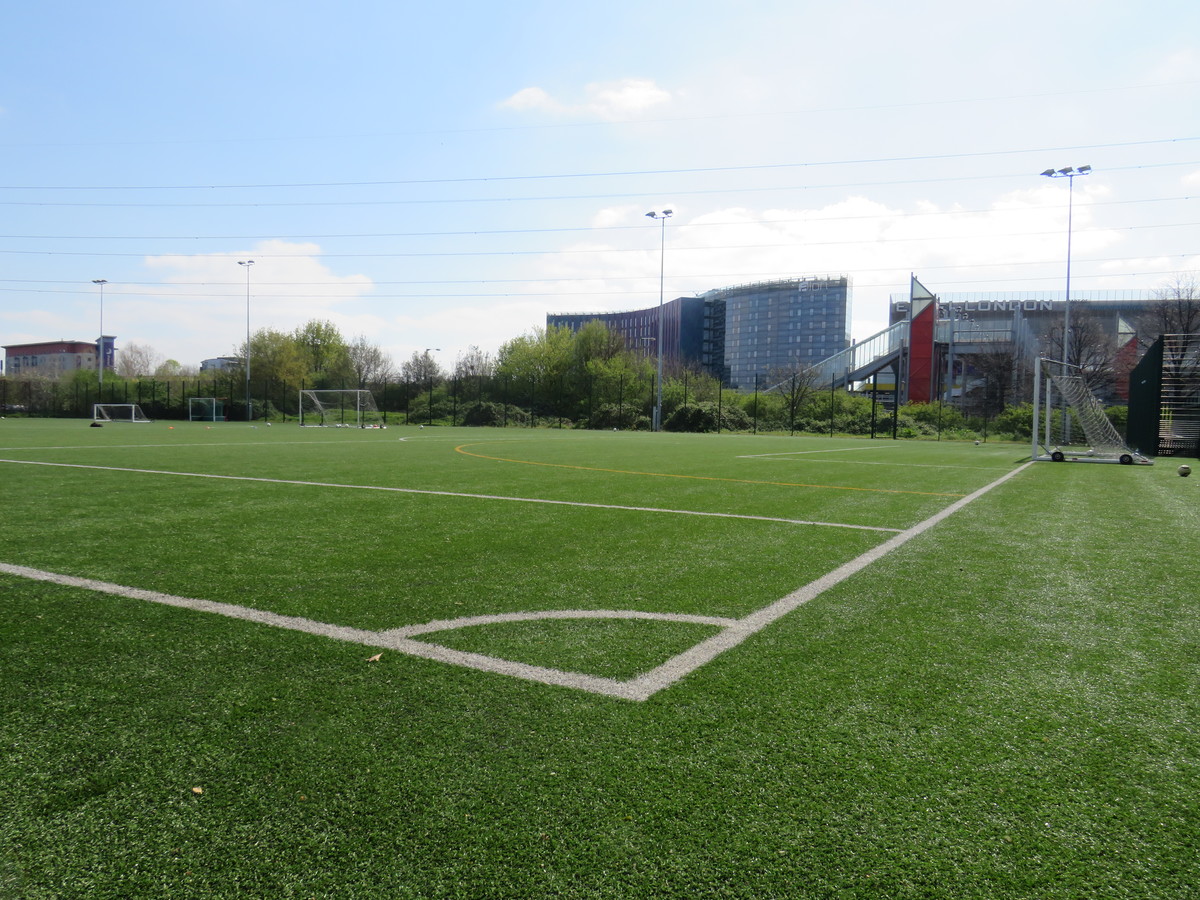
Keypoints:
pixel 370 364
pixel 421 368
pixel 1176 311
pixel 325 352
pixel 474 363
pixel 795 384
pixel 173 368
pixel 275 357
pixel 135 360
pixel 596 341
pixel 998 376
pixel 1090 347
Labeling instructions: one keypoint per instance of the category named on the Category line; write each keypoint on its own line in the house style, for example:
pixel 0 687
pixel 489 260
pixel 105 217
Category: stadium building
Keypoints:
pixel 742 333
pixel 965 326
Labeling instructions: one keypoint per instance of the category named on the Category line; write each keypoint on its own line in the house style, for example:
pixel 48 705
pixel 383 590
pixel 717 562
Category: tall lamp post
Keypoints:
pixel 662 262
pixel 1068 173
pixel 247 263
pixel 100 362
pixel 429 360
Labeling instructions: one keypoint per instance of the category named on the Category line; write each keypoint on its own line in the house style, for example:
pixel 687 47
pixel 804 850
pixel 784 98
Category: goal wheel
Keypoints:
pixel 1058 456
pixel 1126 459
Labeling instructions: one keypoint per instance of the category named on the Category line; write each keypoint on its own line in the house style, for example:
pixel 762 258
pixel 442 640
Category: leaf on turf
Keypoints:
pixel 375 658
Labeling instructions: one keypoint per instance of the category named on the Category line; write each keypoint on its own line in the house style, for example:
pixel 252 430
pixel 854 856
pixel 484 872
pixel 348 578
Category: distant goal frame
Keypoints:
pixel 128 412
pixel 206 409
pixel 338 408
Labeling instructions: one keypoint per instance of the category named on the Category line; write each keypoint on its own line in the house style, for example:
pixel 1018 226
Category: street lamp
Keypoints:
pixel 1069 174
pixel 100 362
pixel 429 360
pixel 247 263
pixel 662 261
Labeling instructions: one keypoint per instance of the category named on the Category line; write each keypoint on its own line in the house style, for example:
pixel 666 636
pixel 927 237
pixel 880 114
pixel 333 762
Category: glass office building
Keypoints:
pixel 740 332
pixel 780 326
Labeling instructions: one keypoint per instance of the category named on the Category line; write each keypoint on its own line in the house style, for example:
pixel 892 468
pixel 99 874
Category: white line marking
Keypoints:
pixel 803 452
pixel 400 490
pixel 643 687
pixel 690 660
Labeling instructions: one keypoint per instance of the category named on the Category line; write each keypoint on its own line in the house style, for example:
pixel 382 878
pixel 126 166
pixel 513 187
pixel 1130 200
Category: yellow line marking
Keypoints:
pixel 462 448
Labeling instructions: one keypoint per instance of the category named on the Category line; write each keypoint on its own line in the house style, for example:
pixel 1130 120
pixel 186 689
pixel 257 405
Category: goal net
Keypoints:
pixel 205 409
pixel 339 409
pixel 118 412
pixel 1069 422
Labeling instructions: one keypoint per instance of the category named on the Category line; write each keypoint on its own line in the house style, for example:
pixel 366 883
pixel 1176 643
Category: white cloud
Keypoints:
pixel 610 101
pixel 198 309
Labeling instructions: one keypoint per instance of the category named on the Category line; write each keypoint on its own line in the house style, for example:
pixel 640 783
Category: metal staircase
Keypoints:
pixel 864 359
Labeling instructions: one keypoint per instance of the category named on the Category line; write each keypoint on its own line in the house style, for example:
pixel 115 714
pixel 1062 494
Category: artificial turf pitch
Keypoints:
pixel 1004 706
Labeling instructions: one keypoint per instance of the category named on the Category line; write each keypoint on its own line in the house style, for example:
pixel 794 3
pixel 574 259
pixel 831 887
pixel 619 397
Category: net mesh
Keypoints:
pixel 118 412
pixel 345 408
pixel 1086 415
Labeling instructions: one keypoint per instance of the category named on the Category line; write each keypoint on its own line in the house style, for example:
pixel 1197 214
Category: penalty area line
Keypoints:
pixel 641 688
pixel 678 667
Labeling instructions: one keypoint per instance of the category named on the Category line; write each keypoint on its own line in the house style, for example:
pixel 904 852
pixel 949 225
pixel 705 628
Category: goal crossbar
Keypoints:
pixel 118 412
pixel 339 409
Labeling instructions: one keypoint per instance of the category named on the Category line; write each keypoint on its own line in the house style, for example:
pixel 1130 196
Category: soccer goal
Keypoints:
pixel 118 412
pixel 339 409
pixel 1069 423
pixel 205 409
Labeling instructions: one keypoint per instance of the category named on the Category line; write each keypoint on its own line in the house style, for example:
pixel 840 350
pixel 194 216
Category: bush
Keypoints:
pixel 1014 421
pixel 493 415
pixel 612 415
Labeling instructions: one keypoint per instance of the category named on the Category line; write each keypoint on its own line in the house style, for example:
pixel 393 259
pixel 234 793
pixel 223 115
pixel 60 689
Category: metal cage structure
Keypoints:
pixel 1164 398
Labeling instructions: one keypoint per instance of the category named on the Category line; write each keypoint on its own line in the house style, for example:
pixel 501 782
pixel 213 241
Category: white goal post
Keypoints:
pixel 118 412
pixel 1069 422
pixel 205 409
pixel 339 409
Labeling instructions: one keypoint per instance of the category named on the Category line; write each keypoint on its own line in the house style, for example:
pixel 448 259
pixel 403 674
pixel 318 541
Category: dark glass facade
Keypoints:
pixel 740 332
pixel 774 327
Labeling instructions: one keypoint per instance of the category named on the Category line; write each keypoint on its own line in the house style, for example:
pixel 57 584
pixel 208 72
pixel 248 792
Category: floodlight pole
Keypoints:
pixel 247 263
pixel 662 217
pixel 1068 173
pixel 100 362
pixel 430 360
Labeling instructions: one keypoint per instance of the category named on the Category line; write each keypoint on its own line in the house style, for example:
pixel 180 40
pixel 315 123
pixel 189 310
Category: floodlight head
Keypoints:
pixel 1067 171
pixel 668 212
pixel 245 262
pixel 99 281
pixel 1083 170
pixel 652 214
pixel 1049 173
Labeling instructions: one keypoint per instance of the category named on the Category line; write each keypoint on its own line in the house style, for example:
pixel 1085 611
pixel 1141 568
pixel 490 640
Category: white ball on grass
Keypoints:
pixel 1185 471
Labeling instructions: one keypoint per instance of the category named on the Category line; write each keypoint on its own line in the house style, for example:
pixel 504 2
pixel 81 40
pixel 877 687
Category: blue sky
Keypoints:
pixel 445 175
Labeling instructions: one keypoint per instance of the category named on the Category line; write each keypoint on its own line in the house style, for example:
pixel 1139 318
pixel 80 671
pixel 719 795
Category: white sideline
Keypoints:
pixel 733 631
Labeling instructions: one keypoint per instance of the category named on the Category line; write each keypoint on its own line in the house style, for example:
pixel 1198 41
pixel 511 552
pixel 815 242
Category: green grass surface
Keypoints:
pixel 1005 707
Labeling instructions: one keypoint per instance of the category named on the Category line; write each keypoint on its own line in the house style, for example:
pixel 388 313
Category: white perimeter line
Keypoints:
pixel 640 688
pixel 398 490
